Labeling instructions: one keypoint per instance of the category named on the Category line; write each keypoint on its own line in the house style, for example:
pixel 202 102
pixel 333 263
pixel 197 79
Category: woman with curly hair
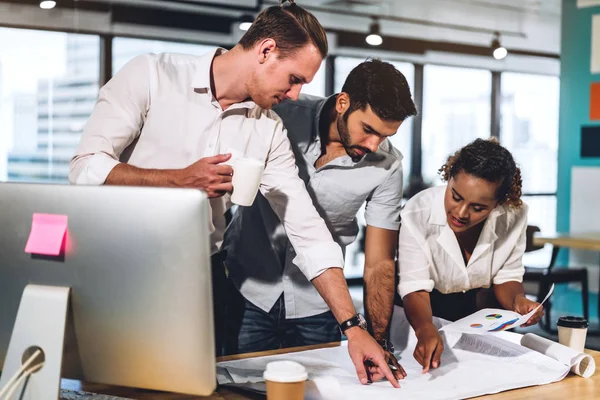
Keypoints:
pixel 461 245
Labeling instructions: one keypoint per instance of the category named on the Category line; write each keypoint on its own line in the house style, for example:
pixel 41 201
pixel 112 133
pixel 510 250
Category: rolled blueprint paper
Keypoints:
pixel 581 364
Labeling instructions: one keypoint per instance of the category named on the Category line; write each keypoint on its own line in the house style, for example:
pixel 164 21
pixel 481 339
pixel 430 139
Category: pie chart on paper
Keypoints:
pixel 493 316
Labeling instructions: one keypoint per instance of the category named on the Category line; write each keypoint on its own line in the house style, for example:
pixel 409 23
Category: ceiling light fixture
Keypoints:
pixel 47 4
pixel 498 51
pixel 246 22
pixel 374 38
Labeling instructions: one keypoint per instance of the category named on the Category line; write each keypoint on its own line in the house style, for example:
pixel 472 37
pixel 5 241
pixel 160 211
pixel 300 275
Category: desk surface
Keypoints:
pixel 572 387
pixel 583 241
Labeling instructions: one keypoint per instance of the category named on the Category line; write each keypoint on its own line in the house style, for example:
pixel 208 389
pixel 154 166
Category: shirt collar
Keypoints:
pixel 322 108
pixel 201 79
pixel 438 211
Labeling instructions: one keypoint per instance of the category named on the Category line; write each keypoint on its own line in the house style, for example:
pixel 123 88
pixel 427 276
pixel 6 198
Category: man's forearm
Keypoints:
pixel 506 293
pixel 332 286
pixel 379 297
pixel 125 174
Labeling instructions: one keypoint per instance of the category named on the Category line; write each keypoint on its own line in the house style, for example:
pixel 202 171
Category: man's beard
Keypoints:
pixel 344 133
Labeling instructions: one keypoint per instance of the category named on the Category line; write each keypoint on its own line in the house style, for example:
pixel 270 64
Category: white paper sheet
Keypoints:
pixel 498 361
pixel 493 319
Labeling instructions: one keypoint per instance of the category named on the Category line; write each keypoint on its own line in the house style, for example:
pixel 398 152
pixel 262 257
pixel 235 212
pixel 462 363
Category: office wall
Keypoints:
pixel 576 78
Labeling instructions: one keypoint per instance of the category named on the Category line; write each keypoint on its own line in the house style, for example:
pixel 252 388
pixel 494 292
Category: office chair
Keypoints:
pixel 546 276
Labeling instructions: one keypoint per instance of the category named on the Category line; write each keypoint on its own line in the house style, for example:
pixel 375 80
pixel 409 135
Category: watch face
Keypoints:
pixel 362 322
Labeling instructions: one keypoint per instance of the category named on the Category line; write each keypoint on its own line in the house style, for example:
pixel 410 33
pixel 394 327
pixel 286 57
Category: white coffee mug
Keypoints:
pixel 247 174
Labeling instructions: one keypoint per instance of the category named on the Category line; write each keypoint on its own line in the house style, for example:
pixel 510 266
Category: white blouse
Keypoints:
pixel 429 255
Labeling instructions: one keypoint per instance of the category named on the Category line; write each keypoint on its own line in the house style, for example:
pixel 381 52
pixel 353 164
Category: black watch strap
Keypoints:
pixel 386 345
pixel 356 320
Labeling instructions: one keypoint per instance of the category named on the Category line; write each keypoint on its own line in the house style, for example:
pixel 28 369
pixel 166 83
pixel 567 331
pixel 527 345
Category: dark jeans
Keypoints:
pixel 250 329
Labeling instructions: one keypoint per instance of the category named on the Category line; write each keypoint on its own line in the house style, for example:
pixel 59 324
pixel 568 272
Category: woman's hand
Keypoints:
pixel 523 305
pixel 429 348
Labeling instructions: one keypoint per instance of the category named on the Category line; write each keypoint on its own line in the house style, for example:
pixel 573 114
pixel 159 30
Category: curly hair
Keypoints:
pixel 487 159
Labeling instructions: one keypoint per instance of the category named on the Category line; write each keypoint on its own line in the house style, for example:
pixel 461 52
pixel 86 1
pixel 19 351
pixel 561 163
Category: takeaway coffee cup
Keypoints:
pixel 572 332
pixel 247 173
pixel 286 380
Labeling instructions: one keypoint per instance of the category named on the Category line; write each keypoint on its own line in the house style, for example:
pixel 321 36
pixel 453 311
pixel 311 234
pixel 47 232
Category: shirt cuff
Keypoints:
pixel 315 260
pixel 384 224
pixel 96 170
pixel 405 288
pixel 512 275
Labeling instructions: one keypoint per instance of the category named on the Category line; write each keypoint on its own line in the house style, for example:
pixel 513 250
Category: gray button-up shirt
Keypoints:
pixel 259 255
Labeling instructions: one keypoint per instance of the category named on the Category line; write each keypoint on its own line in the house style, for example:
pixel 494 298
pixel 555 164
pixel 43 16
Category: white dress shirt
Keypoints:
pixel 429 255
pixel 159 112
pixel 260 259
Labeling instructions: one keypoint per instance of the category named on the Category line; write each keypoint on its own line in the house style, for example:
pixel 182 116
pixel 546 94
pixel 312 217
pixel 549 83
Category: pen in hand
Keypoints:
pixel 369 364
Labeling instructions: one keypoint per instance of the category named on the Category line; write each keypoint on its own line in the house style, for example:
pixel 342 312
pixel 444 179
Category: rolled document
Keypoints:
pixel 581 364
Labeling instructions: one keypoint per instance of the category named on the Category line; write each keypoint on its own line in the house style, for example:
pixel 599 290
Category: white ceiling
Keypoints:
pixel 528 25
pixel 551 7
pixel 523 24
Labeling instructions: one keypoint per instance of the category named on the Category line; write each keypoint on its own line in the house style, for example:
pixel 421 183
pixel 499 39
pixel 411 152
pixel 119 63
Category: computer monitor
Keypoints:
pixel 137 263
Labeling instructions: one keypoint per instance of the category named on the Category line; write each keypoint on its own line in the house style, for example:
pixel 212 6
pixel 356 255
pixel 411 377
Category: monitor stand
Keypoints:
pixel 40 324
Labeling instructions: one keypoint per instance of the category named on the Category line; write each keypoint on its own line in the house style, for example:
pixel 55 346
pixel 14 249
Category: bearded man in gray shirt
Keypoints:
pixel 343 155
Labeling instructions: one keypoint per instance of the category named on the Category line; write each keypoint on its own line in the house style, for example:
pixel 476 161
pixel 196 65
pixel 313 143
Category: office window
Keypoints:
pixel 124 49
pixel 456 110
pixel 317 86
pixel 401 140
pixel 529 127
pixel 542 213
pixel 48 87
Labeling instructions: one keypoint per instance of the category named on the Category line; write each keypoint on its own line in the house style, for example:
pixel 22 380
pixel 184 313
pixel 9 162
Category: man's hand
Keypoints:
pixel 397 369
pixel 429 347
pixel 363 350
pixel 208 174
pixel 523 305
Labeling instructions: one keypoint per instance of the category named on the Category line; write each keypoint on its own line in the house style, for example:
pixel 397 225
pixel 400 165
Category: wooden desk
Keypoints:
pixel 572 387
pixel 583 241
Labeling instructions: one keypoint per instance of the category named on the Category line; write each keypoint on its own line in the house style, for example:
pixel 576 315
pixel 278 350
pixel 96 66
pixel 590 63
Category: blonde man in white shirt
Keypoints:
pixel 174 120
pixel 460 239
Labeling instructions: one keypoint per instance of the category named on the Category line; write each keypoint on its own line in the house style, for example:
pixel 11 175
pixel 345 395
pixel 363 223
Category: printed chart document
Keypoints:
pixel 493 319
pixel 471 365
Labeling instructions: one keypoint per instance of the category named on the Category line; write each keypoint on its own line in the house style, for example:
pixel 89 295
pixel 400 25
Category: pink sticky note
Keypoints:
pixel 47 234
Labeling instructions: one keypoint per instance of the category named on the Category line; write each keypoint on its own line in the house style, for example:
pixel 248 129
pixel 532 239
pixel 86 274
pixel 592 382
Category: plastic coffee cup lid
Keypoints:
pixel 285 371
pixel 572 322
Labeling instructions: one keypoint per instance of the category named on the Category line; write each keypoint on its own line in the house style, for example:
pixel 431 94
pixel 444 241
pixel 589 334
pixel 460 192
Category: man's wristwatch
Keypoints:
pixel 386 345
pixel 357 320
